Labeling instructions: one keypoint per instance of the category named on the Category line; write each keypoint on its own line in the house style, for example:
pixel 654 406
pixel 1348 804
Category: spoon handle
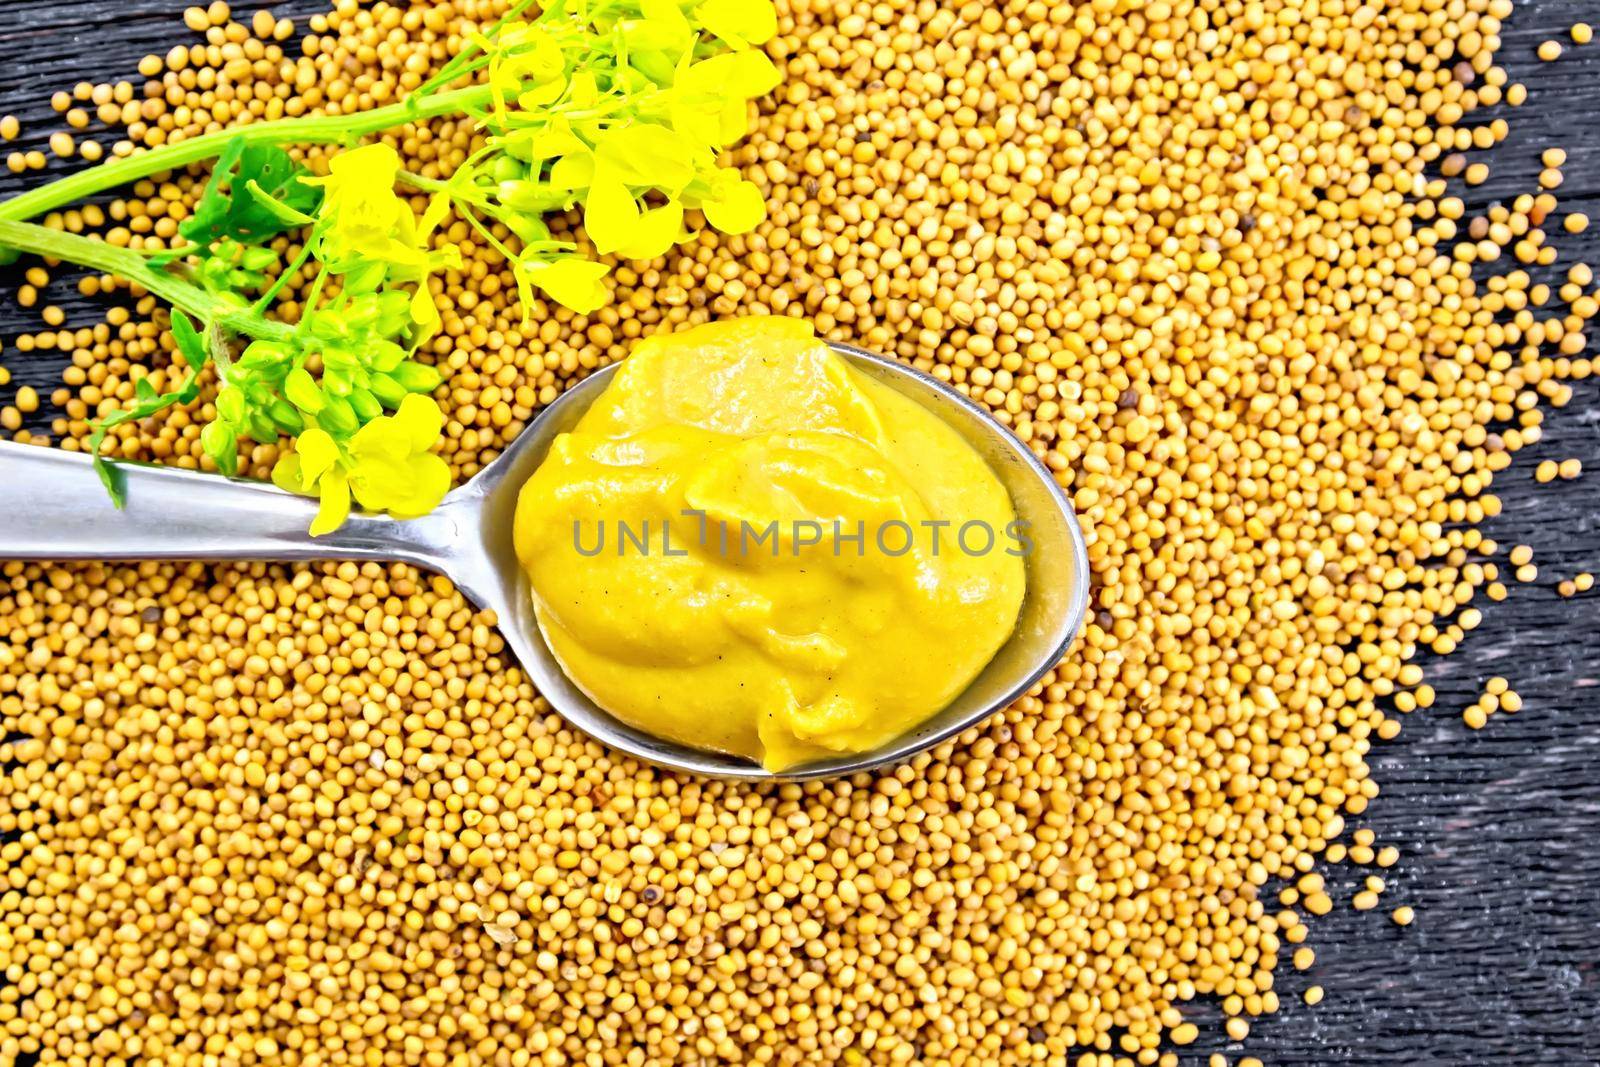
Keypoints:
pixel 52 506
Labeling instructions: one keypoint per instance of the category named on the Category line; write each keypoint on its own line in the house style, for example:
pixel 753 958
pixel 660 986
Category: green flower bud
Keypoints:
pixel 262 429
pixel 222 445
pixel 258 259
pixel 530 229
pixel 506 169
pixel 365 404
pixel 338 417
pixel 262 355
pixel 365 278
pixel 394 312
pixel 284 414
pixel 387 390
pixel 231 404
pixel 301 390
pixel 385 356
pixel 418 377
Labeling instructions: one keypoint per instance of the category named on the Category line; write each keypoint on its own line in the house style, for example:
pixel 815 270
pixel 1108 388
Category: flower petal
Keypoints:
pixel 430 481
pixel 657 230
pixel 335 507
pixel 738 207
pixel 421 420
pixel 610 214
pixel 318 453
pixel 286 474
pixel 572 281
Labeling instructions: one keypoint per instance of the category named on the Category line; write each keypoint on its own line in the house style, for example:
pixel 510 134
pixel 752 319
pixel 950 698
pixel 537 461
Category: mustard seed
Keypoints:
pixel 466 848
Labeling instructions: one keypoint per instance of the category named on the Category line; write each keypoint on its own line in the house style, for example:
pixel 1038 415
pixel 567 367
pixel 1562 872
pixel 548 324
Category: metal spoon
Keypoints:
pixel 52 507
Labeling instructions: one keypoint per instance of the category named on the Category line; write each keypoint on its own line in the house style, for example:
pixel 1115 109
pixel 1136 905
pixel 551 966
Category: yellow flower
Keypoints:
pixel 364 219
pixel 365 222
pixel 387 466
pixel 391 466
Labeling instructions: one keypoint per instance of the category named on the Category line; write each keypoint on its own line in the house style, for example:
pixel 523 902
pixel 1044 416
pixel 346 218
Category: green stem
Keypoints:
pixel 422 183
pixel 310 129
pixel 455 67
pixel 132 266
pixel 266 299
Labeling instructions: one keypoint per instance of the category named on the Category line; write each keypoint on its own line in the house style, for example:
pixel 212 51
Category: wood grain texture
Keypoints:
pixel 1498 827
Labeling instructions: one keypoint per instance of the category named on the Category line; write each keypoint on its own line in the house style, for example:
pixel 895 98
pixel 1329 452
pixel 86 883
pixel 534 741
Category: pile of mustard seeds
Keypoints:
pixel 1198 255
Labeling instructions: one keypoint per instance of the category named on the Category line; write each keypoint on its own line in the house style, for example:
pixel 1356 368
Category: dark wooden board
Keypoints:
pixel 1499 828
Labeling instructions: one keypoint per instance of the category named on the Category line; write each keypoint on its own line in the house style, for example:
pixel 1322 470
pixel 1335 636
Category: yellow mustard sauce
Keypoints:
pixel 748 547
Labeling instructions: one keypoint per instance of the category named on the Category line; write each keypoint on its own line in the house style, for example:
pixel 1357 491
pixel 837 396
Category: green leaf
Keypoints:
pixel 290 216
pixel 255 193
pixel 191 346
pixel 147 402
pixel 111 477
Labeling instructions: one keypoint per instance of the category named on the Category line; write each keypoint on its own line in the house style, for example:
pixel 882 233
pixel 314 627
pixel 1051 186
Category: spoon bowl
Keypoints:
pixel 57 509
